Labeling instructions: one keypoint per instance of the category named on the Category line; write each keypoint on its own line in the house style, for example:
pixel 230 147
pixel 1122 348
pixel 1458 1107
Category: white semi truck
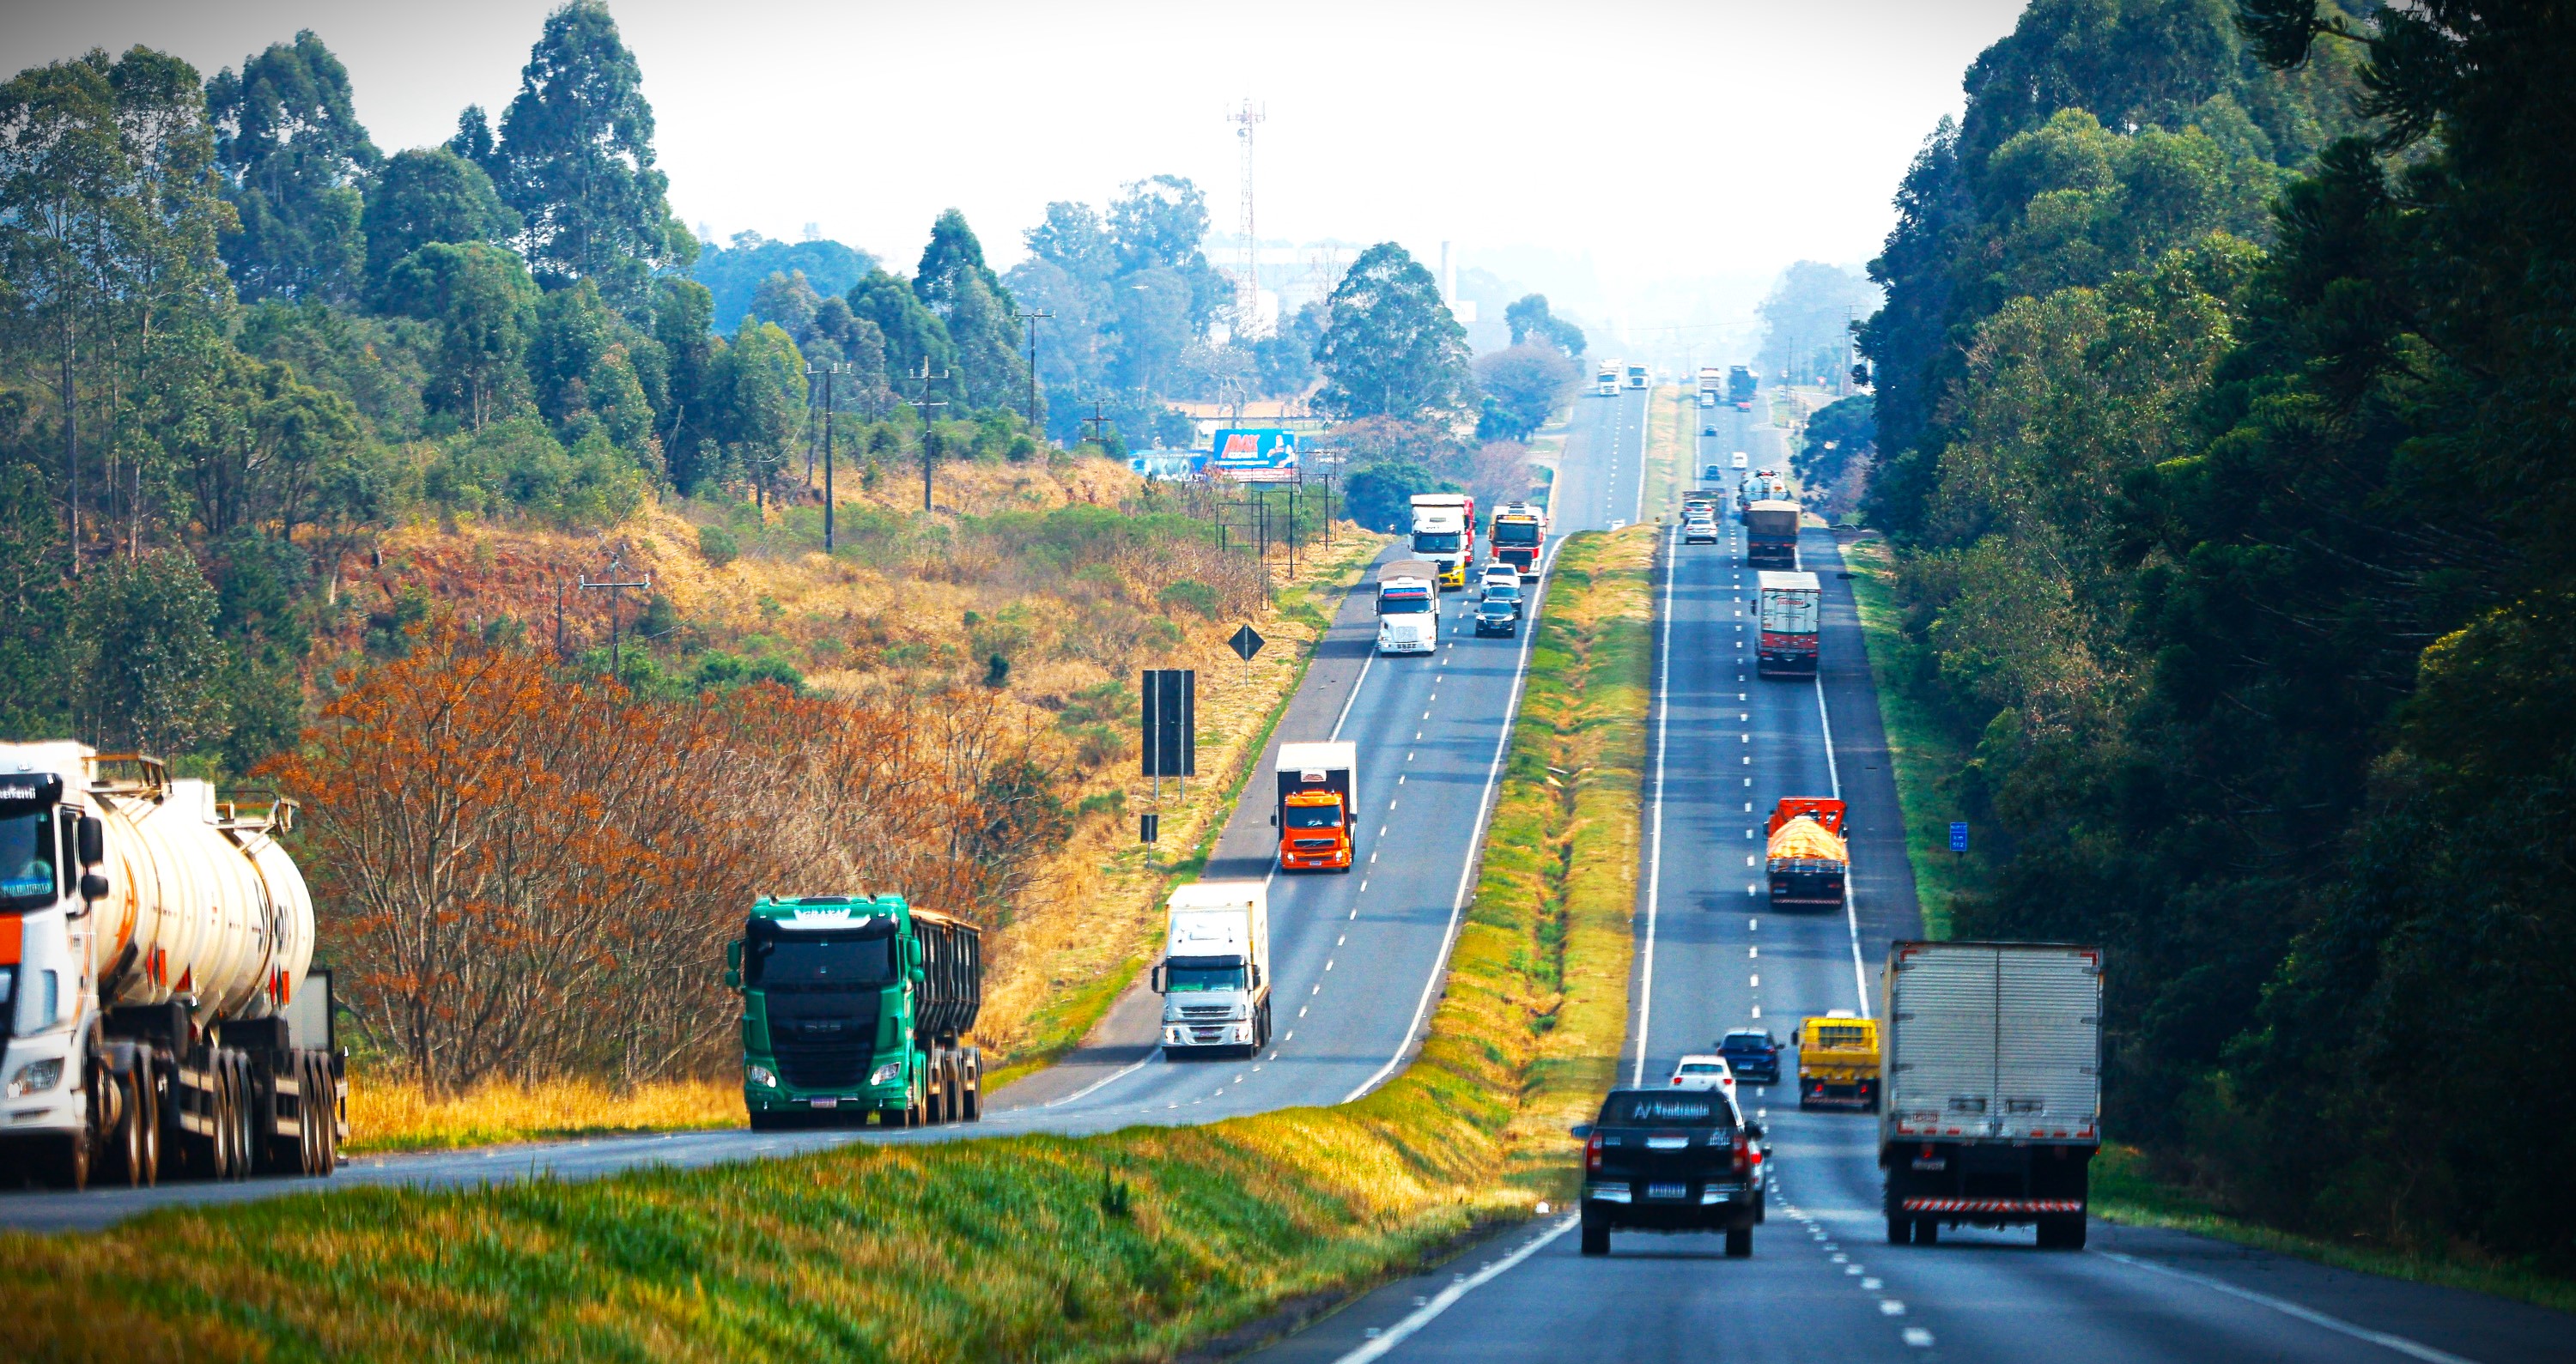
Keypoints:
pixel 1215 974
pixel 1444 532
pixel 1408 607
pixel 1605 380
pixel 157 1011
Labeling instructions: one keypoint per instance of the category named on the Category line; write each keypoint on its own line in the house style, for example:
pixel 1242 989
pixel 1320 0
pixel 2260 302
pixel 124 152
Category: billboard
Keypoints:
pixel 1254 455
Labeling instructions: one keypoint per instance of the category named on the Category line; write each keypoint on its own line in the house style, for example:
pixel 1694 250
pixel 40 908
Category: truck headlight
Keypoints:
pixel 761 1076
pixel 36 1077
pixel 886 1074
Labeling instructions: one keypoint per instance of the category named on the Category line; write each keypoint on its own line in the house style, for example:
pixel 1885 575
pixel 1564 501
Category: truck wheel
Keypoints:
pixel 313 1089
pixel 2061 1233
pixel 1596 1237
pixel 71 1162
pixel 1739 1243
pixel 147 1098
pixel 125 1142
pixel 246 1141
pixel 1927 1231
pixel 1900 1231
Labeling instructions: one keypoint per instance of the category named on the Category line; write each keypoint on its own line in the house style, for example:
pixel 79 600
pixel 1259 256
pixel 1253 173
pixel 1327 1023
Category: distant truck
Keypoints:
pixel 1808 853
pixel 1314 815
pixel 1519 531
pixel 1838 1062
pixel 855 1005
pixel 1215 974
pixel 1771 535
pixel 1444 532
pixel 1605 381
pixel 159 1013
pixel 1408 607
pixel 1759 485
pixel 1791 604
pixel 1993 1078
pixel 1636 376
pixel 1712 382
pixel 1741 384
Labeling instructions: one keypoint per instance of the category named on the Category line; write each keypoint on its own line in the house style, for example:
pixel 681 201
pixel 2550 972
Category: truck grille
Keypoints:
pixel 823 1039
pixel 824 1065
pixel 1206 1010
pixel 1325 844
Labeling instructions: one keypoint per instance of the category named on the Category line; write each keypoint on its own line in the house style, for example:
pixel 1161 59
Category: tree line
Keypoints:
pixel 2222 399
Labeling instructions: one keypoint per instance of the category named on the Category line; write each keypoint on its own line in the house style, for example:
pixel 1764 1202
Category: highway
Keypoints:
pixel 1823 1283
pixel 1357 958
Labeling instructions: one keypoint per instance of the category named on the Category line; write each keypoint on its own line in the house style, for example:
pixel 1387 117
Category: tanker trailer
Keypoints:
pixel 157 1008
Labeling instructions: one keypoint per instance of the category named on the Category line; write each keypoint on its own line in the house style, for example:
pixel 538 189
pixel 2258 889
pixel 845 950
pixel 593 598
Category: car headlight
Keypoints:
pixel 760 1075
pixel 36 1077
pixel 886 1074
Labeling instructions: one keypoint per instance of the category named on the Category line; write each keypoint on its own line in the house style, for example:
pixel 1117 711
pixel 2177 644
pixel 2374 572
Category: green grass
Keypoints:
pixel 2126 1191
pixel 1923 750
pixel 1125 1246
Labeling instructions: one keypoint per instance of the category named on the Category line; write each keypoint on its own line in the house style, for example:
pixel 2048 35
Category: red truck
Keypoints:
pixel 1519 529
pixel 1810 863
pixel 1791 603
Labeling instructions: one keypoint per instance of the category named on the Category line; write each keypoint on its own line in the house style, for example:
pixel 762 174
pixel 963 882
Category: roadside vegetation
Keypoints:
pixel 1115 1247
pixel 2221 446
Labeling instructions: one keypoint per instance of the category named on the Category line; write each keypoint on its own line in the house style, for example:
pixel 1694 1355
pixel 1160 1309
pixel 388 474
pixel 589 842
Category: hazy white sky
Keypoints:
pixel 1689 149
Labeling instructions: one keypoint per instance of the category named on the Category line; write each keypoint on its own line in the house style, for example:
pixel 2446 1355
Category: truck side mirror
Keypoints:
pixel 1274 821
pixel 1155 982
pixel 93 887
pixel 93 842
pixel 919 976
pixel 1580 1130
pixel 733 978
pixel 733 955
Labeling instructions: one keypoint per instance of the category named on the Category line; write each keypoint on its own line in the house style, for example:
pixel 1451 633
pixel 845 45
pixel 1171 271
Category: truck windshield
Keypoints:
pixel 1436 541
pixel 818 959
pixel 1409 605
pixel 1315 816
pixel 26 859
pixel 1196 979
pixel 1516 532
pixel 1701 1109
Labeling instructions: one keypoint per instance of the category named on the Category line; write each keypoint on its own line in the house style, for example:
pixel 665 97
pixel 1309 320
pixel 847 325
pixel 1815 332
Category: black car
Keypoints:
pixel 1754 1056
pixel 1670 1160
pixel 1498 616
pixel 1711 474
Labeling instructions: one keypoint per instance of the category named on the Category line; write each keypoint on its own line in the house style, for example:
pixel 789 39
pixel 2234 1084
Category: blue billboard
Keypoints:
pixel 1254 455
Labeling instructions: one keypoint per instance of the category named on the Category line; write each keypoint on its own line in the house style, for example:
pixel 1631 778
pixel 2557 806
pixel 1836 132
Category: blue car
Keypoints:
pixel 1754 1056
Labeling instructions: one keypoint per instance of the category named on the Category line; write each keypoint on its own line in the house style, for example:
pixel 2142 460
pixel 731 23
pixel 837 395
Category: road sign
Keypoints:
pixel 1170 720
pixel 1958 838
pixel 1246 643
pixel 1149 828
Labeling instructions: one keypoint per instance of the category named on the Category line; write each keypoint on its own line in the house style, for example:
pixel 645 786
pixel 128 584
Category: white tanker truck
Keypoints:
pixel 157 1011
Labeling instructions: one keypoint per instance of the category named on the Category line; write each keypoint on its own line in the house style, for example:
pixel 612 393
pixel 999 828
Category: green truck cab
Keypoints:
pixel 857 1005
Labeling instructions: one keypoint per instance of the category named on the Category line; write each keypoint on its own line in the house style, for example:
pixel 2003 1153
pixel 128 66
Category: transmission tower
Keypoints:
pixel 1247 274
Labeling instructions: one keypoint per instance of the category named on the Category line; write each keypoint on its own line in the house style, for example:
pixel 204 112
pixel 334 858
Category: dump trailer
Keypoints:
pixel 1408 607
pixel 1519 530
pixel 857 1005
pixel 1316 822
pixel 1790 605
pixel 1215 974
pixel 158 1010
pixel 1838 1062
pixel 1771 535
pixel 1741 384
pixel 1810 859
pixel 1993 1076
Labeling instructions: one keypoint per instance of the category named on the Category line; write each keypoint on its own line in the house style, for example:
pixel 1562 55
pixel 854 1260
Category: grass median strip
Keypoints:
pixel 1122 1246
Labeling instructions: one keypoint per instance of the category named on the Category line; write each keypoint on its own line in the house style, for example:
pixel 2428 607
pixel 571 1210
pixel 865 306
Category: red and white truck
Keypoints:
pixel 1791 604
pixel 1519 530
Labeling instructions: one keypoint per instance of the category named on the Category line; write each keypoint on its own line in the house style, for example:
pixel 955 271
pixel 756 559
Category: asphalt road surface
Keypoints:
pixel 1822 1283
pixel 1356 958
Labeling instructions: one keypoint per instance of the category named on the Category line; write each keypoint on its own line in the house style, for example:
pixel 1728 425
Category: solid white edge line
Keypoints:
pixel 1475 841
pixel 1851 893
pixel 1448 1297
pixel 1655 842
pixel 2311 1316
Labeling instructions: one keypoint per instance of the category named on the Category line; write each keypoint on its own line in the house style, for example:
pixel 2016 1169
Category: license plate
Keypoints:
pixel 824 1103
pixel 1668 1191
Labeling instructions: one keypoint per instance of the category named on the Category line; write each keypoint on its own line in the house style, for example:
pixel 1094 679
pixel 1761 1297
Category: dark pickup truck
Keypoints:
pixel 1753 1054
pixel 1666 1160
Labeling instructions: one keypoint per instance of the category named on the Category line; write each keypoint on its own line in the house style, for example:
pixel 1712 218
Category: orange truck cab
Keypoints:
pixel 1314 814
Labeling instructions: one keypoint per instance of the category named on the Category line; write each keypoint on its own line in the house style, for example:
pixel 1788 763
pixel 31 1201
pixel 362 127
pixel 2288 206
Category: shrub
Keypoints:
pixel 717 546
pixel 1188 595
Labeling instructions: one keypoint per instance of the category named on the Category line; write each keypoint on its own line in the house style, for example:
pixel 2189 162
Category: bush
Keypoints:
pixel 518 467
pixel 717 546
pixel 1188 595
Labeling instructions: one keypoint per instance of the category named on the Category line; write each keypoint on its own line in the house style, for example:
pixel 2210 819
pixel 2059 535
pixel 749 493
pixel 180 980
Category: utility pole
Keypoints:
pixel 1099 424
pixel 1029 322
pixel 616 596
pixel 923 405
pixel 827 372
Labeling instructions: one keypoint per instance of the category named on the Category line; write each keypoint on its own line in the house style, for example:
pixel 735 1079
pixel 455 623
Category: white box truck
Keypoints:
pixel 1215 974
pixel 1408 607
pixel 1991 1085
pixel 1605 381
pixel 158 1013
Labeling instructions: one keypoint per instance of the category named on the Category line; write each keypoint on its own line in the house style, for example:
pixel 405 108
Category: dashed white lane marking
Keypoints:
pixel 1891 1307
pixel 2384 1340
pixel 1917 1337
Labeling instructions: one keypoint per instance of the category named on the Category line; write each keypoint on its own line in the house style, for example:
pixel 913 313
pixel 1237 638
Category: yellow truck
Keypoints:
pixel 1838 1062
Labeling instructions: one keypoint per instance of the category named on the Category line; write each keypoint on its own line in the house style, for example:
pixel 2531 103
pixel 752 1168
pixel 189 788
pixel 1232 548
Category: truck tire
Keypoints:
pixel 1596 1237
pixel 244 1115
pixel 71 1162
pixel 2061 1233
pixel 313 1110
pixel 1739 1243
pixel 125 1140
pixel 1900 1230
pixel 147 1098
pixel 1927 1232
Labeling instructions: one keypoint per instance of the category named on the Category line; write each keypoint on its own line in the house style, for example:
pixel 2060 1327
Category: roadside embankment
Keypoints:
pixel 1923 749
pixel 1122 1246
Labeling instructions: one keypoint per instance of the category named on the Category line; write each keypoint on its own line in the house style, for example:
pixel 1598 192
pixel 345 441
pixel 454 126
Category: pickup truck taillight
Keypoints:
pixel 1743 1153
pixel 1592 1155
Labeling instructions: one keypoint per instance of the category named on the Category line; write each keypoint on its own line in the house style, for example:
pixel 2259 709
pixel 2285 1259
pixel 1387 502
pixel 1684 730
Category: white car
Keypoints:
pixel 1699 530
pixel 1498 573
pixel 1705 1072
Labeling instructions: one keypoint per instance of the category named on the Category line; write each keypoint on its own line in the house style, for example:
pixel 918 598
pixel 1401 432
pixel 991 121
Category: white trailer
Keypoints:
pixel 1215 974
pixel 155 990
pixel 1991 1072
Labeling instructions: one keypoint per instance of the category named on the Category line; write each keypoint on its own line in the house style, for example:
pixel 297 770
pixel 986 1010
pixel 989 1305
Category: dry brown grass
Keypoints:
pixel 387 1113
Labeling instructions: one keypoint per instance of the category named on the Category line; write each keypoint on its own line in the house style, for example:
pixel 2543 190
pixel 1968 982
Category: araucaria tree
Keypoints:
pixel 1393 349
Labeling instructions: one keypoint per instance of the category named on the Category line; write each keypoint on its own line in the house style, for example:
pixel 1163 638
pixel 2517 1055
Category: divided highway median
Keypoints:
pixel 1127 1245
